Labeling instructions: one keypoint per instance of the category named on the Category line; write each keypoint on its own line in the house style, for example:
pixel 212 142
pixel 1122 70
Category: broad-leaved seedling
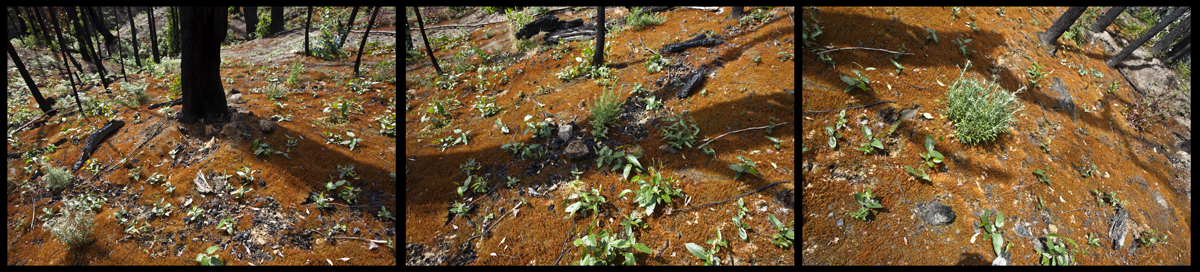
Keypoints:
pixel 785 236
pixel 746 166
pixel 867 203
pixel 1043 175
pixel 993 228
pixel 933 156
pixel 871 143
pixel 209 259
pixel 653 191
pixel 1056 253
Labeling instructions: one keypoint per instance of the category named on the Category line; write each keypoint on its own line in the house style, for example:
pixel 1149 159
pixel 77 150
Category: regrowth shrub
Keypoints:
pixel 978 110
pixel 74 224
pixel 604 111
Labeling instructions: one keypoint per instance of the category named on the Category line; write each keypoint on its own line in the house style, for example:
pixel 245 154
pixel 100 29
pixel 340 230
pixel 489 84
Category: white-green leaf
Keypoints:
pixel 697 250
pixel 351 134
pixel 574 207
pixel 642 248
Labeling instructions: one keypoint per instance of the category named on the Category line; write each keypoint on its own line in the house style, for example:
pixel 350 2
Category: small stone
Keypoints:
pixel 576 151
pixel 235 98
pixel 267 126
pixel 564 132
pixel 668 149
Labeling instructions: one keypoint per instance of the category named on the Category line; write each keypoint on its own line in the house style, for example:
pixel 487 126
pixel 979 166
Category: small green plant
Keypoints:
pixel 1046 145
pixel 933 157
pixel 56 177
pixel 920 173
pixel 1043 175
pixel 344 171
pixel 385 214
pixel 785 236
pixel 932 35
pixel 656 63
pixel 978 111
pixel 487 106
pixel 540 129
pixel 973 26
pixel 262 148
pixel 1099 197
pixel 653 190
pixel 460 209
pixel 962 45
pixel 350 194
pixel 241 191
pixel 227 225
pixel 1149 239
pixel 678 133
pixel 274 91
pixel 746 166
pixel 586 201
pixel 699 252
pixel 1088 172
pixel 784 56
pixel 993 229
pixel 206 259
pixel 871 143
pixel 605 155
pixel 860 82
pixel 866 202
pixel 899 68
pixel 74 224
pixel 136 173
pixel 775 142
pixel 737 219
pixel 604 247
pixel 321 201
pixel 605 110
pixel 1056 253
pixel 634 219
pixel 512 181
pixel 1035 73
pixel 1093 241
pixel 194 213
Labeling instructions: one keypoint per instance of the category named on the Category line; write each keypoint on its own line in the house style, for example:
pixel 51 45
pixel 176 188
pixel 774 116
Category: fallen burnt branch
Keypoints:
pixel 671 211
pixel 94 141
pixel 168 104
pixel 699 40
pixel 695 78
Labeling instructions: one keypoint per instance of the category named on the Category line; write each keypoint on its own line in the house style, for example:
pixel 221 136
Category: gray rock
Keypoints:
pixel 839 222
pixel 267 126
pixel 1119 227
pixel 1022 231
pixel 1062 98
pixel 564 131
pixel 576 151
pixel 936 213
pixel 236 98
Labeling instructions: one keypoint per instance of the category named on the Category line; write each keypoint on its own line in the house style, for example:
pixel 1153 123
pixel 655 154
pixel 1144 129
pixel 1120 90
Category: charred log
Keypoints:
pixel 699 40
pixel 94 141
pixel 693 82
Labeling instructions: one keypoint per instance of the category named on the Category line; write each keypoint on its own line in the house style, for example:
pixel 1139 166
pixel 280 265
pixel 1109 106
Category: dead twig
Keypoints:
pixel 644 45
pixel 672 211
pixel 747 64
pixel 356 238
pixel 863 48
pixel 740 130
pixel 854 107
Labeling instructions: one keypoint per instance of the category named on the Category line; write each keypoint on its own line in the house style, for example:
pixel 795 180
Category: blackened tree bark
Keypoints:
pixel 276 19
pixel 307 25
pixel 349 25
pixel 363 45
pixel 153 36
pixel 598 56
pixel 137 58
pixel 251 20
pixel 46 106
pixel 85 45
pixel 1120 56
pixel 1050 36
pixel 110 42
pixel 424 37
pixel 1178 53
pixel 1184 26
pixel 75 80
pixel 1107 19
pixel 203 96
pixel 736 12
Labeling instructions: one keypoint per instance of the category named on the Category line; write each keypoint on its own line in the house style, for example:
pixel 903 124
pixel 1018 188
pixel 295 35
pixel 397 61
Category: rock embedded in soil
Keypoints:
pixel 576 151
pixel 267 126
pixel 1062 98
pixel 936 213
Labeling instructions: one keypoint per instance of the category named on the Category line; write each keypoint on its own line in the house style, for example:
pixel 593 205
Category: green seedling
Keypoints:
pixel 1149 239
pixel 227 225
pixel 242 191
pixel 860 82
pixel 1056 253
pixel 207 259
pixel 512 181
pixel 867 203
pixel 586 201
pixel 933 157
pixel 321 201
pixel 973 26
pixel 653 190
pixel 898 54
pixel 746 166
pixel 678 134
pixel 993 228
pixel 540 129
pixel 1093 241
pixel 385 214
pixel 699 252
pixel 1046 146
pixel 962 45
pixel 634 219
pixel 605 155
pixel 871 143
pixel 1035 73
pixel 737 220
pixel 1087 173
pixel 932 35
pixel 460 209
pixel 899 68
pixel 775 142
pixel 785 236
pixel 329 186
pixel 1099 197
pixel 784 56
pixel 917 173
pixel 195 213
pixel 350 194
pixel 503 128
pixel 603 248
pixel 1043 175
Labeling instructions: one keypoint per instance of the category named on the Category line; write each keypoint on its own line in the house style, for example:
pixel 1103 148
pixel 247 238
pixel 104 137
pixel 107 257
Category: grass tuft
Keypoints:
pixel 605 110
pixel 978 110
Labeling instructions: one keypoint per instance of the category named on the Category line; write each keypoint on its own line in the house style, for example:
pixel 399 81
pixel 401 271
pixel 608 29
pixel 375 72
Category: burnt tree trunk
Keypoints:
pixel 598 55
pixel 1107 19
pixel 1184 26
pixel 203 96
pixel 1120 56
pixel 425 37
pixel 46 106
pixel 349 25
pixel 307 27
pixel 736 12
pixel 153 36
pixel 276 19
pixel 251 20
pixel 137 58
pixel 363 44
pixel 1050 36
